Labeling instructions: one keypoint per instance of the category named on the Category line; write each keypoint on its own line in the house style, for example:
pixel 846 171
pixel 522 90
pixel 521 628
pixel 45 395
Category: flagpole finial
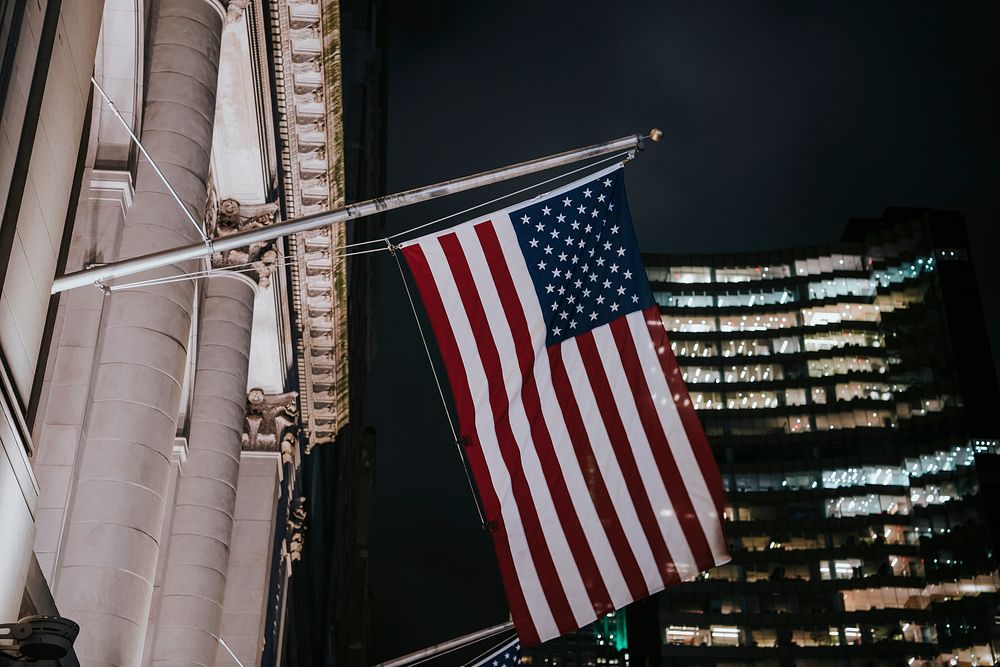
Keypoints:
pixel 656 134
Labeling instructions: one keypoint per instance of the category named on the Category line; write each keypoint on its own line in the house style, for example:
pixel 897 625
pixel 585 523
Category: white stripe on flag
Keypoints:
pixel 527 576
pixel 580 495
pixel 666 516
pixel 680 445
pixel 608 465
pixel 552 530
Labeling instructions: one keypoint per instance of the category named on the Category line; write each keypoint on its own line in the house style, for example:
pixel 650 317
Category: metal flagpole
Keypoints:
pixel 443 647
pixel 101 274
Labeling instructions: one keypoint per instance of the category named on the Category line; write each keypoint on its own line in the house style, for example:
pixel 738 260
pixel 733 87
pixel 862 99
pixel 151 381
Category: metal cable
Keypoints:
pixel 590 165
pixel 444 403
pixel 152 163
pixel 239 268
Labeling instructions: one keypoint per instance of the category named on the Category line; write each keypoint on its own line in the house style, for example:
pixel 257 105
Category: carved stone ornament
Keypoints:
pixel 258 260
pixel 235 9
pixel 296 527
pixel 271 423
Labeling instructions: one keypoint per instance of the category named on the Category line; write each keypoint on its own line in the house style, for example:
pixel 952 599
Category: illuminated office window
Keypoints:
pixel 875 391
pixel 843 365
pixel 865 475
pixel 751 400
pixel 937 494
pixel 762 322
pixel 694 348
pixel 700 374
pixel 744 274
pixel 798 424
pixel 837 287
pixel 785 345
pixel 848 568
pixel 746 347
pixel 756 298
pixel 795 397
pixel 684 635
pixel 707 400
pixel 689 324
pixel 687 274
pixel 753 373
pixel 873 503
pixel 832 340
pixel 764 637
pixel 859 418
pixel 674 300
pixel 725 635
pixel 845 312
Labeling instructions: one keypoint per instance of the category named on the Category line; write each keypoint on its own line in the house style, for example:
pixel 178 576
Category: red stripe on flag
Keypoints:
pixel 593 477
pixel 422 276
pixel 568 519
pixel 540 554
pixel 660 448
pixel 620 443
pixel 685 408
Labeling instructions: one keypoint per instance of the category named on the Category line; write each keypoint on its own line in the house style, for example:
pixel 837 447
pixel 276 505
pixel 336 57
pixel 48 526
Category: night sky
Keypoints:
pixel 781 121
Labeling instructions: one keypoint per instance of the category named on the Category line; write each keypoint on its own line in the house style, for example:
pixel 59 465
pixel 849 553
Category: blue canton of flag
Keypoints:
pixel 582 255
pixel 508 655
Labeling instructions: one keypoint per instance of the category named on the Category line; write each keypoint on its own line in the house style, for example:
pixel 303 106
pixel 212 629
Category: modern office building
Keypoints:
pixel 849 394
pixel 157 437
pixel 604 642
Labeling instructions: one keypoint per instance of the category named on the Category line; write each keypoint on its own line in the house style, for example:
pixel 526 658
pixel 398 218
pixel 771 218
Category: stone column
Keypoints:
pixel 105 575
pixel 190 609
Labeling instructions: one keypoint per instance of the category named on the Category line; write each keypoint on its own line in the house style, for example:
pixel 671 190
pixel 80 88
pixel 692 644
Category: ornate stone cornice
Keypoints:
pixel 271 424
pixel 308 83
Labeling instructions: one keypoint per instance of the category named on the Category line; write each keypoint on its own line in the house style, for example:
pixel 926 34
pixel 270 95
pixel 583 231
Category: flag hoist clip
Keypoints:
pixel 489 525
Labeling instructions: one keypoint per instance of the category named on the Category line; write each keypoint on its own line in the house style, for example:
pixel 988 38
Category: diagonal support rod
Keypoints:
pixel 152 163
pixel 102 274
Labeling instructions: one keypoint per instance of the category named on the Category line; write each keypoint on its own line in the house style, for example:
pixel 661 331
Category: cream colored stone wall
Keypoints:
pixel 247 580
pixel 25 297
pixel 67 379
pixel 18 497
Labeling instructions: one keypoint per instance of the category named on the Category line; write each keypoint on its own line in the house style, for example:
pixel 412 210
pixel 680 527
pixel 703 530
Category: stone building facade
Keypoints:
pixel 154 436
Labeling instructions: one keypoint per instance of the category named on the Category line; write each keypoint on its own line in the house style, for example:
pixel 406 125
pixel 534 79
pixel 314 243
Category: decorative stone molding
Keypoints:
pixel 259 259
pixel 310 109
pixel 235 9
pixel 272 422
pixel 296 526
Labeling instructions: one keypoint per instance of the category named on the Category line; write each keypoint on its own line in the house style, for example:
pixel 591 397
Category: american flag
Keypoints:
pixel 507 654
pixel 592 467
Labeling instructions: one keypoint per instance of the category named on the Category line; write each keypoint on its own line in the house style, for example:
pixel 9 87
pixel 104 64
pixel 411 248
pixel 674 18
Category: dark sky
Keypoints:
pixel 781 121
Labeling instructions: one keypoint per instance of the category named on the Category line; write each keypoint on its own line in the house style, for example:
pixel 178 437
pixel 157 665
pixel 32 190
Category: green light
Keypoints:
pixel 614 627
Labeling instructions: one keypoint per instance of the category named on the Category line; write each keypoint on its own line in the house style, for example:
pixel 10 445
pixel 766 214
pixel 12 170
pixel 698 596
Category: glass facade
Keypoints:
pixel 604 642
pixel 849 395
